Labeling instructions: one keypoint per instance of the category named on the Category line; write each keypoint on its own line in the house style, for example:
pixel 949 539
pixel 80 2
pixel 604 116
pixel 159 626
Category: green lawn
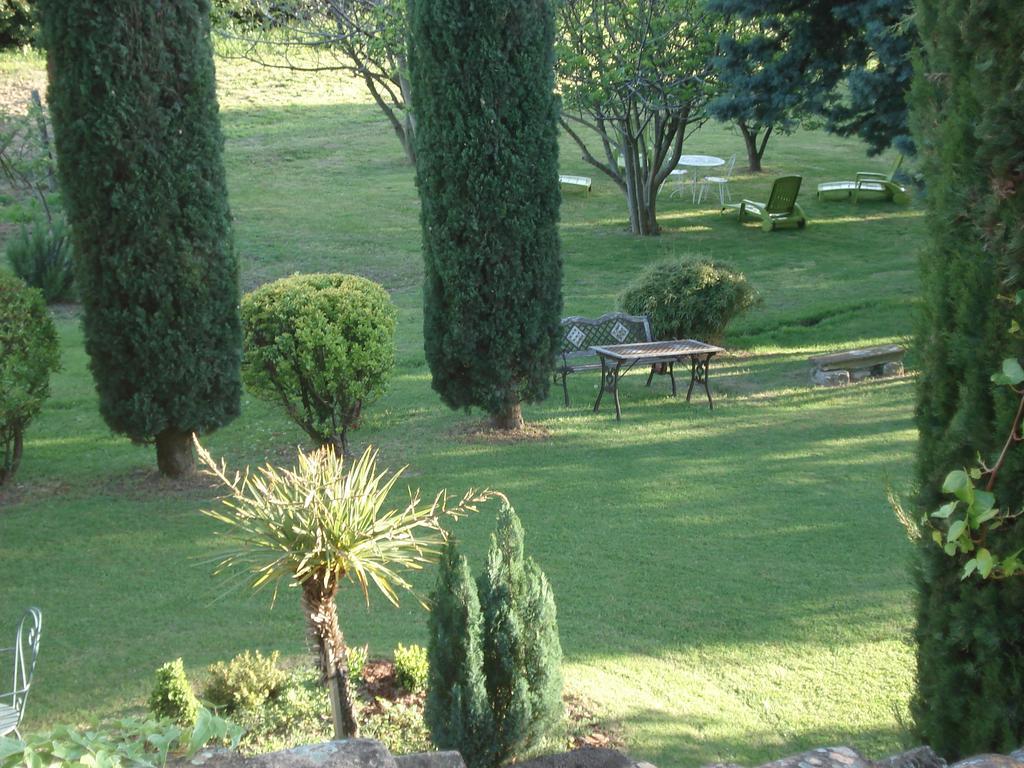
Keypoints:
pixel 731 585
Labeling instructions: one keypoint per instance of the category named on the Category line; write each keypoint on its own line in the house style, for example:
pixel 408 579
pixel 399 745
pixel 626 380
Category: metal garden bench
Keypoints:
pixel 579 334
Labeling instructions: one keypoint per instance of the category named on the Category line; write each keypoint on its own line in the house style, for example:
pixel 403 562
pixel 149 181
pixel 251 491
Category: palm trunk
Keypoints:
pixel 328 645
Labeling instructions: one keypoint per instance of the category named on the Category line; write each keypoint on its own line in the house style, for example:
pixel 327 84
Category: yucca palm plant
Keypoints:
pixel 318 523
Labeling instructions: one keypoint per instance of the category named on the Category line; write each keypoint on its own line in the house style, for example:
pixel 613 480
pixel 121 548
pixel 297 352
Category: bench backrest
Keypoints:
pixel 581 333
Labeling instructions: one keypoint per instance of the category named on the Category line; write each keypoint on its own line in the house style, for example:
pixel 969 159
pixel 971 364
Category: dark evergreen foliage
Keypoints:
pixel 786 59
pixel 495 686
pixel 487 171
pixel 522 652
pixel 456 708
pixel 969 125
pixel 138 140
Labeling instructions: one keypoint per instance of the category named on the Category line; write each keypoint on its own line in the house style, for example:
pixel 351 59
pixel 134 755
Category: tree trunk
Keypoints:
pixel 750 140
pixel 174 453
pixel 13 459
pixel 510 417
pixel 328 646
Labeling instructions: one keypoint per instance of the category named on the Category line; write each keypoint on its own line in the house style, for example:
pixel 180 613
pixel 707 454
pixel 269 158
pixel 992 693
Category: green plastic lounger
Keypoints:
pixel 868 186
pixel 781 210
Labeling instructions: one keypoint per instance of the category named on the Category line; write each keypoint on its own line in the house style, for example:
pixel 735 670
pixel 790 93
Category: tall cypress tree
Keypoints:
pixel 969 127
pixel 138 139
pixel 482 74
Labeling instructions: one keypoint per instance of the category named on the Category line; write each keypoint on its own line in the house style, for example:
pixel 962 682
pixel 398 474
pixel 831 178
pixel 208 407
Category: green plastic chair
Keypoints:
pixel 781 210
pixel 869 185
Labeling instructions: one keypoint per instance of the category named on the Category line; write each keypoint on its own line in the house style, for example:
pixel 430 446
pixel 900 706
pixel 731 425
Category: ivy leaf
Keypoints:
pixel 969 567
pixel 937 537
pixel 946 510
pixel 955 531
pixel 1011 374
pixel 950 549
pixel 985 562
pixel 984 517
pixel 959 484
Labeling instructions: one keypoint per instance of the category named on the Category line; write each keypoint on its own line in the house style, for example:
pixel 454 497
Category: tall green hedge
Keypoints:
pixel 137 133
pixel 482 76
pixel 969 126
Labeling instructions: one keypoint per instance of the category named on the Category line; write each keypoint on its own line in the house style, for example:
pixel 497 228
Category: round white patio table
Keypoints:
pixel 697 163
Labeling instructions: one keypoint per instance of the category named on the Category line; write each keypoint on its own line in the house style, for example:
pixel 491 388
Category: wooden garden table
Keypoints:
pixel 618 359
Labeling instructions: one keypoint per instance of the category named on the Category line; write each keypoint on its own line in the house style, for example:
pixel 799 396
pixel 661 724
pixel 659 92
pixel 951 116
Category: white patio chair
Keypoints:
pixel 25 650
pixel 677 178
pixel 722 182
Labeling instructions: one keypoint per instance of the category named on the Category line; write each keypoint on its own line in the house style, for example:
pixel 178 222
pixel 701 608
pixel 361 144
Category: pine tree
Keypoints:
pixel 969 127
pixel 456 709
pixel 487 170
pixel 522 653
pixel 137 133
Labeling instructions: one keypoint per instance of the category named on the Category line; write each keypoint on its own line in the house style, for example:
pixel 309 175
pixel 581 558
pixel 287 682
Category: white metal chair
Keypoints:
pixel 677 178
pixel 25 650
pixel 722 182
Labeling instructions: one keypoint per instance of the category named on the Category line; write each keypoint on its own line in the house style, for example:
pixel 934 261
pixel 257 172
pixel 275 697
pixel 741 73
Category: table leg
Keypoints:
pixel 600 389
pixel 672 376
pixel 615 391
pixel 699 367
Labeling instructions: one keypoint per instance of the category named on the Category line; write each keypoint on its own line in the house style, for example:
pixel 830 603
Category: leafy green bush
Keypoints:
pixel 28 355
pixel 42 257
pixel 246 682
pixel 412 668
pixel 172 697
pixel 689 299
pixel 358 655
pixel 400 726
pixel 127 742
pixel 16 24
pixel 323 345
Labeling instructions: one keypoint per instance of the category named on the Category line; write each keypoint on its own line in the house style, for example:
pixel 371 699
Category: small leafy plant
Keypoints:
pixel 127 743
pixel 42 257
pixel 412 668
pixel 172 697
pixel 245 682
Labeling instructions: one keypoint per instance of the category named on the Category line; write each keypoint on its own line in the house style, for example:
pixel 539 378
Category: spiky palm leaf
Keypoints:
pixel 325 520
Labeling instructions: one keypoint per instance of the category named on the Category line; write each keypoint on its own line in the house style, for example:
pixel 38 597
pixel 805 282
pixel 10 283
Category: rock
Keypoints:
pixel 921 757
pixel 989 761
pixel 450 759
pixel 859 374
pixel 830 378
pixel 351 753
pixel 1018 755
pixel 587 757
pixel 892 369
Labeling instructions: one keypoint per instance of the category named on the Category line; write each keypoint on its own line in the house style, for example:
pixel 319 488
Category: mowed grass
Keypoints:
pixel 731 584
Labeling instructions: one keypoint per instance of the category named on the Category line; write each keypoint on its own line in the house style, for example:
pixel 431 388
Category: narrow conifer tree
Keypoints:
pixel 482 74
pixel 968 119
pixel 137 133
pixel 522 652
pixel 456 709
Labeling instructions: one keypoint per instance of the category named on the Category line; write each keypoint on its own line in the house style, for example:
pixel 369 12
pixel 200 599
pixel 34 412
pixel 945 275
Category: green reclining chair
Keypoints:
pixel 781 210
pixel 868 186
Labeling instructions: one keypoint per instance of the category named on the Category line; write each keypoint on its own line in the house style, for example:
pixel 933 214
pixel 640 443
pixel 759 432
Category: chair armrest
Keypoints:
pixel 872 176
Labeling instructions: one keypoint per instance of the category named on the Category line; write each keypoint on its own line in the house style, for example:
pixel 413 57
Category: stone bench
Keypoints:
pixel 579 334
pixel 840 368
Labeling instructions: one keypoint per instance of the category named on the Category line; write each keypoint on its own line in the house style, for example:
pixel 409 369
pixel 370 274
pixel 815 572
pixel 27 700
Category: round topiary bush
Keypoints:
pixel 689 298
pixel 323 346
pixel 28 355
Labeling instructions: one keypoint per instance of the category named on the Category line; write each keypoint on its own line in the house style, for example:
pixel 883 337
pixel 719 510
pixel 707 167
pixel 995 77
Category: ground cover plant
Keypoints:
pixel 731 586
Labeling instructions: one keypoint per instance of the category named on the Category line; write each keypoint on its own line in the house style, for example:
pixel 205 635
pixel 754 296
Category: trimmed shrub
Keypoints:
pixel 357 656
pixel 42 257
pixel 411 667
pixel 16 24
pixel 172 695
pixel 689 298
pixel 400 726
pixel 246 682
pixel 28 355
pixel 323 346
